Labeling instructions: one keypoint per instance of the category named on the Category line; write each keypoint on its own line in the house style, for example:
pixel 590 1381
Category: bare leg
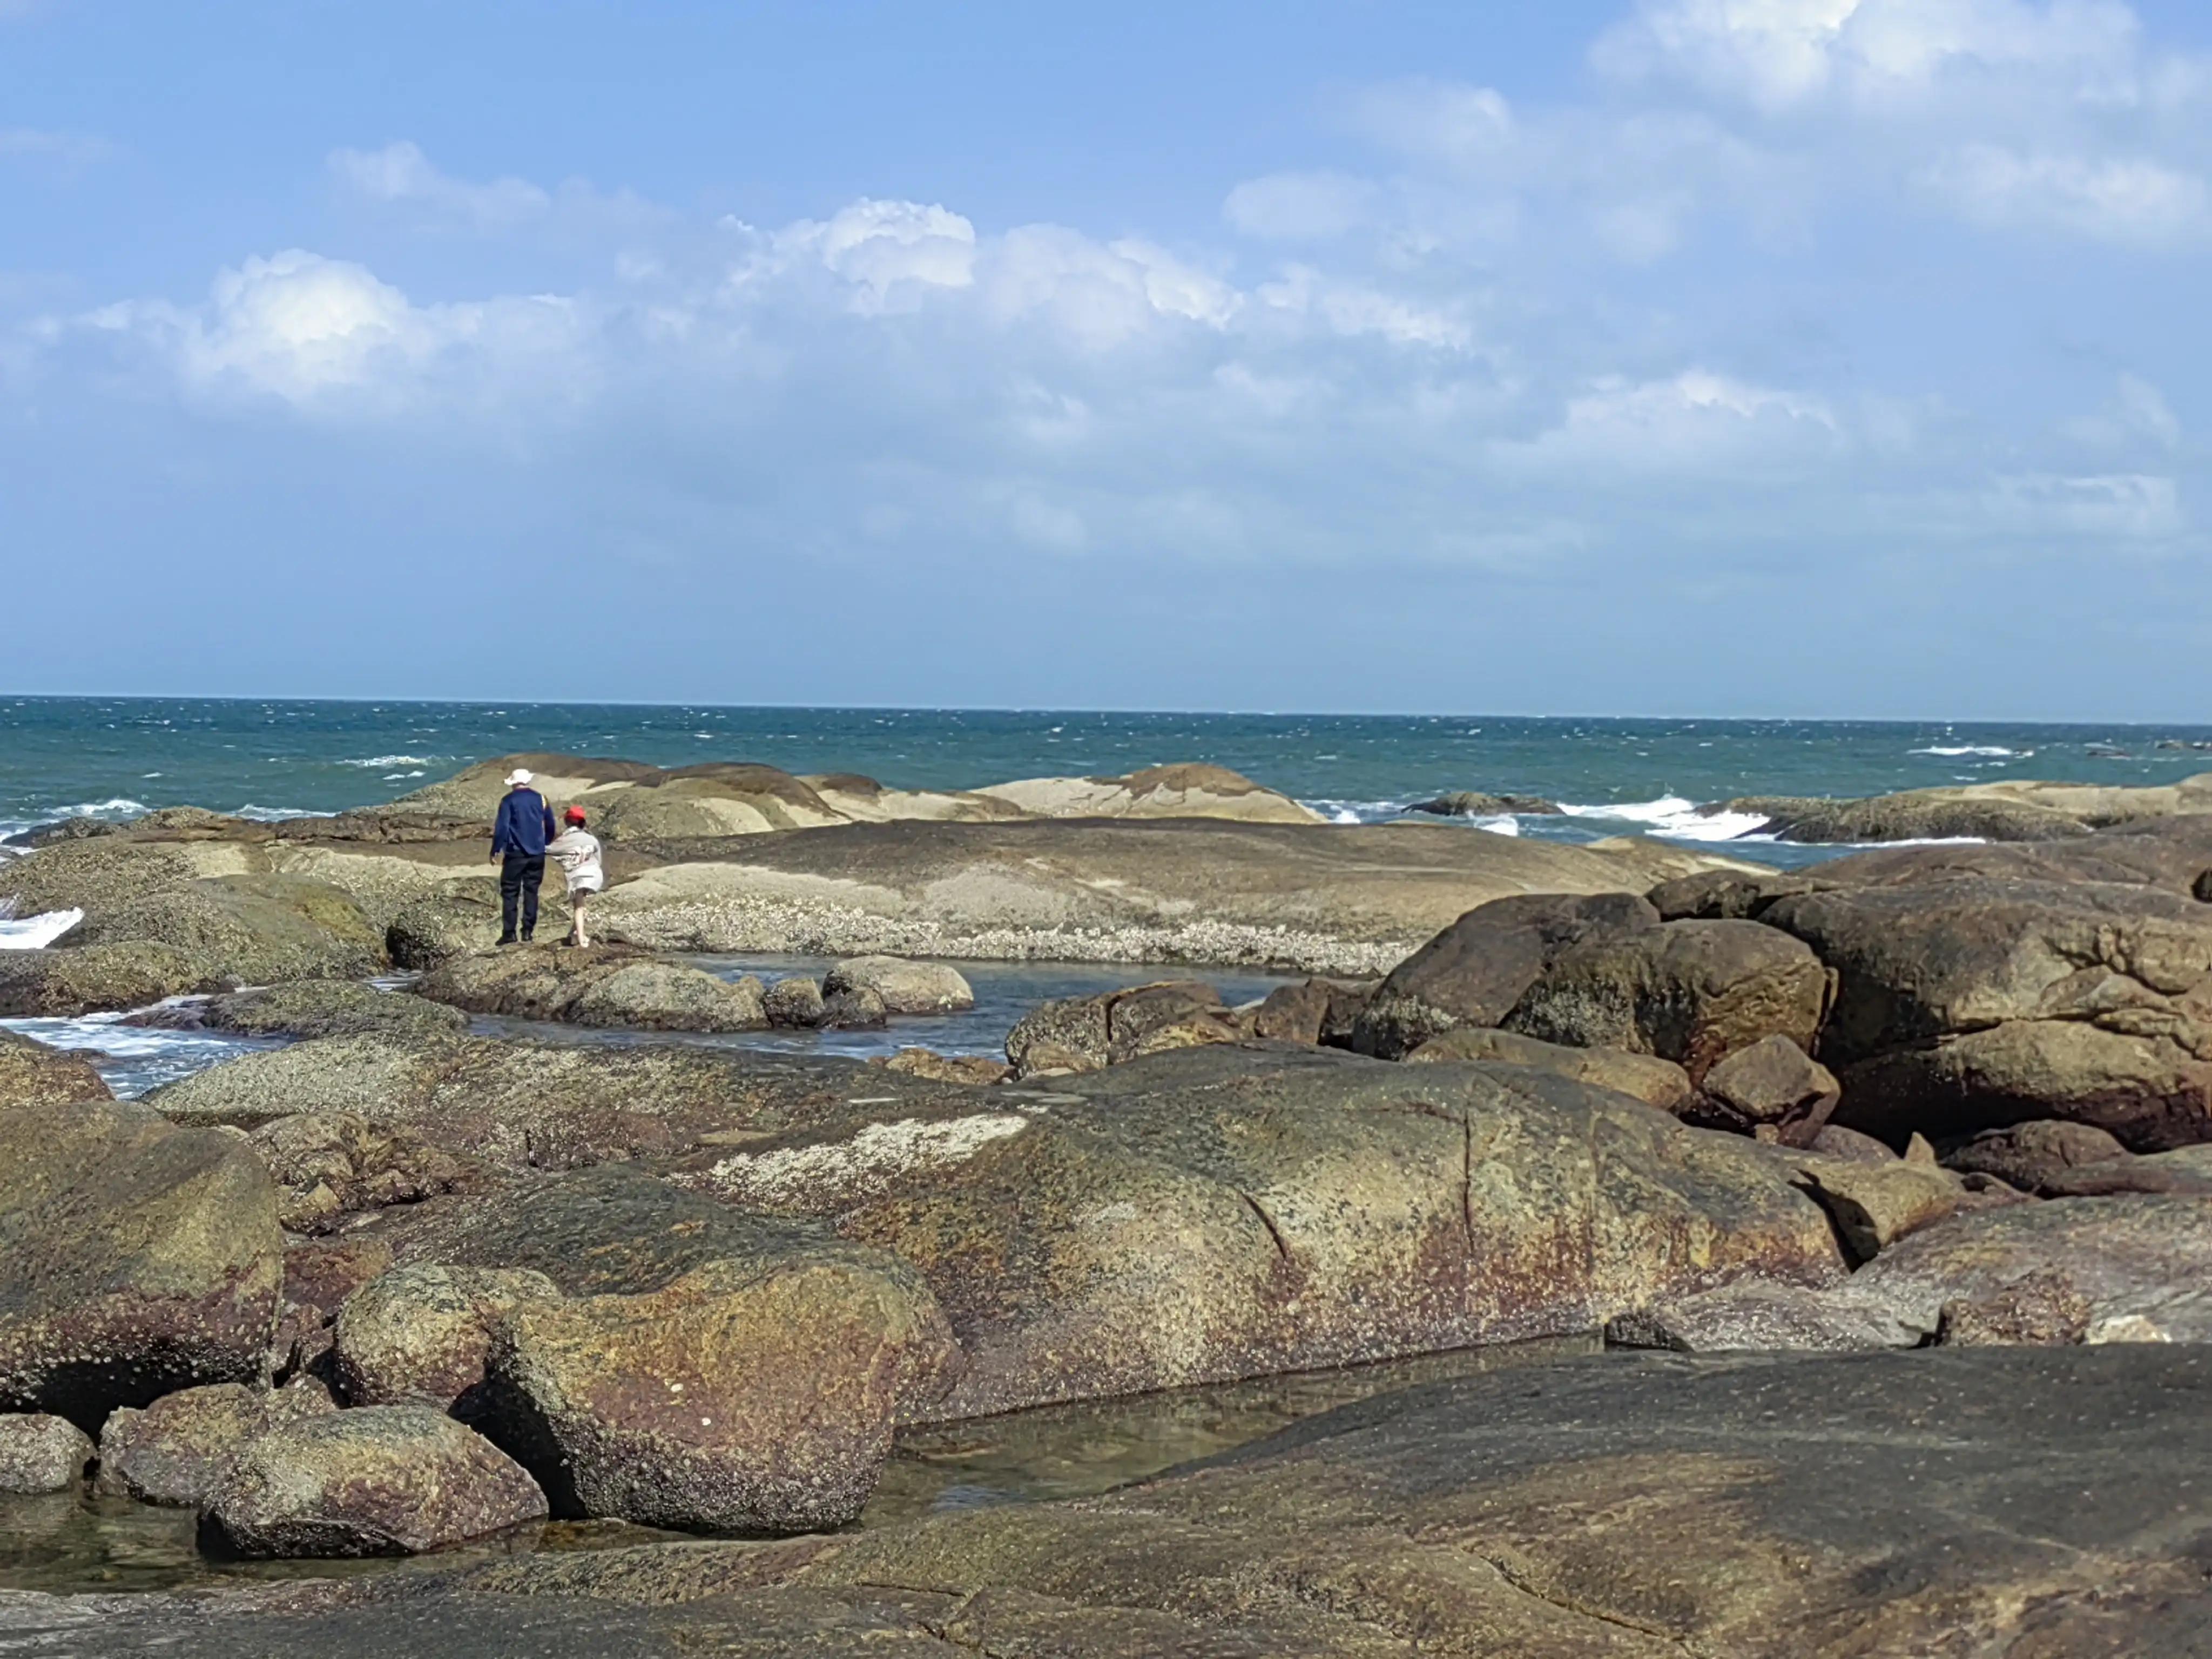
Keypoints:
pixel 577 901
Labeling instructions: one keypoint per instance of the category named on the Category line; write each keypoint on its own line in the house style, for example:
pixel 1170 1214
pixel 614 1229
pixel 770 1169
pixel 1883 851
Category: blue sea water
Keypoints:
pixel 115 757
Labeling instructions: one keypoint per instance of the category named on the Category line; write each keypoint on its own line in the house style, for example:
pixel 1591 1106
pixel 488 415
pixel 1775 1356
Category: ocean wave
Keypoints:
pixel 1993 751
pixel 278 814
pixel 1677 819
pixel 379 762
pixel 36 933
pixel 1504 823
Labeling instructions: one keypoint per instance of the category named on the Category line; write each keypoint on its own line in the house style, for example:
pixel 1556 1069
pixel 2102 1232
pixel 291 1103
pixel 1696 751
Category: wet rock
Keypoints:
pixel 1773 1082
pixel 793 1002
pixel 604 986
pixel 1974 1001
pixel 1085 1033
pixel 1316 1011
pixel 331 1165
pixel 1690 992
pixel 32 1072
pixel 2031 1156
pixel 381 1481
pixel 1473 804
pixel 1646 1078
pixel 852 1008
pixel 176 1449
pixel 979 1069
pixel 1759 1315
pixel 1476 970
pixel 1909 815
pixel 41 1453
pixel 135 1259
pixel 906 987
pixel 96 978
pixel 2119 1255
pixel 316 1008
pixel 420 1335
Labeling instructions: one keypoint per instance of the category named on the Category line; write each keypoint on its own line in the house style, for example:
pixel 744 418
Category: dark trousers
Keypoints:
pixel 519 876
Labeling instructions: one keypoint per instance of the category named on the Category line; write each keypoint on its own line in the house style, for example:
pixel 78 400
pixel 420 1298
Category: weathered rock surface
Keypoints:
pixel 1874 1205
pixel 862 799
pixel 95 978
pixel 2138 1256
pixel 1476 970
pixel 314 1008
pixel 603 985
pixel 1085 1033
pixel 421 1335
pixel 2012 810
pixel 2034 1155
pixel 1223 1212
pixel 461 918
pixel 1690 992
pixel 1736 895
pixel 1316 1011
pixel 718 799
pixel 32 1072
pixel 41 1453
pixel 1186 791
pixel 1972 1002
pixel 1646 1078
pixel 247 929
pixel 135 1259
pixel 1759 1315
pixel 330 1165
pixel 979 1069
pixel 176 1449
pixel 1773 1082
pixel 381 1481
pixel 1474 804
pixel 1831 1507
pixel 906 987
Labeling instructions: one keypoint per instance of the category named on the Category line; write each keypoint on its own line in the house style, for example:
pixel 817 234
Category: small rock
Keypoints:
pixel 1833 1140
pixel 333 1164
pixel 1318 1011
pixel 41 1453
pixel 176 1449
pixel 1919 1151
pixel 2035 1155
pixel 906 987
pixel 852 1008
pixel 1774 1082
pixel 1874 1205
pixel 793 1003
pixel 1761 1314
pixel 381 1481
pixel 420 1335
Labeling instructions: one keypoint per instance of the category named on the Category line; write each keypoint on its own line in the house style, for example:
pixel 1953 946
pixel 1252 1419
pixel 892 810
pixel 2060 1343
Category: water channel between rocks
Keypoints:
pixel 135 1059
pixel 86 1543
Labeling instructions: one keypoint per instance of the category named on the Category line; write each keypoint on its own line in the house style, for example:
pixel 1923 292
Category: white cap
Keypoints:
pixel 519 777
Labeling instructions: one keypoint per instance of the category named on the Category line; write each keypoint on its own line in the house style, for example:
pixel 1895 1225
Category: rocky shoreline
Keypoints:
pixel 1900 1163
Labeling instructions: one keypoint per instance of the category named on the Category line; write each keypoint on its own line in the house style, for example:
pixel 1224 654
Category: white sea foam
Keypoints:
pixel 278 814
pixel 36 933
pixel 135 1059
pixel 381 761
pixel 1676 818
pixel 1504 824
pixel 1992 750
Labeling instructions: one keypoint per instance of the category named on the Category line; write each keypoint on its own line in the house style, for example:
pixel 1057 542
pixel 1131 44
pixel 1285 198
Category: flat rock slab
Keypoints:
pixel 2037 1504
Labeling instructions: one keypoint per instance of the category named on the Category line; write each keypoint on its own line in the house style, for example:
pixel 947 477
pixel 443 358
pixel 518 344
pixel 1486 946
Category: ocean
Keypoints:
pixel 114 757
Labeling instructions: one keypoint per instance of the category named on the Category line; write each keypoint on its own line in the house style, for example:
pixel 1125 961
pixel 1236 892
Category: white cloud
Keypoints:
pixel 1696 422
pixel 2121 199
pixel 2131 506
pixel 401 173
pixel 1291 206
pixel 886 250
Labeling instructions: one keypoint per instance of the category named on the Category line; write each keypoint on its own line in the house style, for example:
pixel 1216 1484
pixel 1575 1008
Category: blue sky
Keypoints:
pixel 1719 356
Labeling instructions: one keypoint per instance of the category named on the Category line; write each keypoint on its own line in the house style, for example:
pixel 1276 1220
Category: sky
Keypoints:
pixel 1810 357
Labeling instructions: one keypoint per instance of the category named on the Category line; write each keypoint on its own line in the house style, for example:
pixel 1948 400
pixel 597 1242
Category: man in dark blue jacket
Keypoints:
pixel 518 846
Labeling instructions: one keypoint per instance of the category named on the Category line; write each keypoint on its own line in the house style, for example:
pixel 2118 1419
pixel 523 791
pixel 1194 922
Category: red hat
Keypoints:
pixel 574 815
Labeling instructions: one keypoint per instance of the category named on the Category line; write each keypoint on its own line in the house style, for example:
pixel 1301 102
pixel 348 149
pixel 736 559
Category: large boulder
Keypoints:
pixel 603 985
pixel 41 1453
pixel 135 1259
pixel 906 987
pixel 1185 791
pixel 1224 1212
pixel 1646 1078
pixel 175 1450
pixel 248 929
pixel 702 1367
pixel 1971 1001
pixel 381 1481
pixel 1775 1084
pixel 2035 1156
pixel 713 801
pixel 33 1071
pixel 1690 992
pixel 1313 1010
pixel 461 918
pixel 314 1008
pixel 1476 970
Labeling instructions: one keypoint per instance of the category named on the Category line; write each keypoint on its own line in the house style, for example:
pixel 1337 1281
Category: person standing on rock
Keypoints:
pixel 577 851
pixel 517 847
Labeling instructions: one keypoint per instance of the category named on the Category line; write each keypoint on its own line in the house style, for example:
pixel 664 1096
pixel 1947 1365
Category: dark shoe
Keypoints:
pixel 529 940
pixel 507 938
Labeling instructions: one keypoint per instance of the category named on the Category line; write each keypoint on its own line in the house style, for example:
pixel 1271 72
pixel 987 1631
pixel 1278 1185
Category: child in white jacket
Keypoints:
pixel 577 851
